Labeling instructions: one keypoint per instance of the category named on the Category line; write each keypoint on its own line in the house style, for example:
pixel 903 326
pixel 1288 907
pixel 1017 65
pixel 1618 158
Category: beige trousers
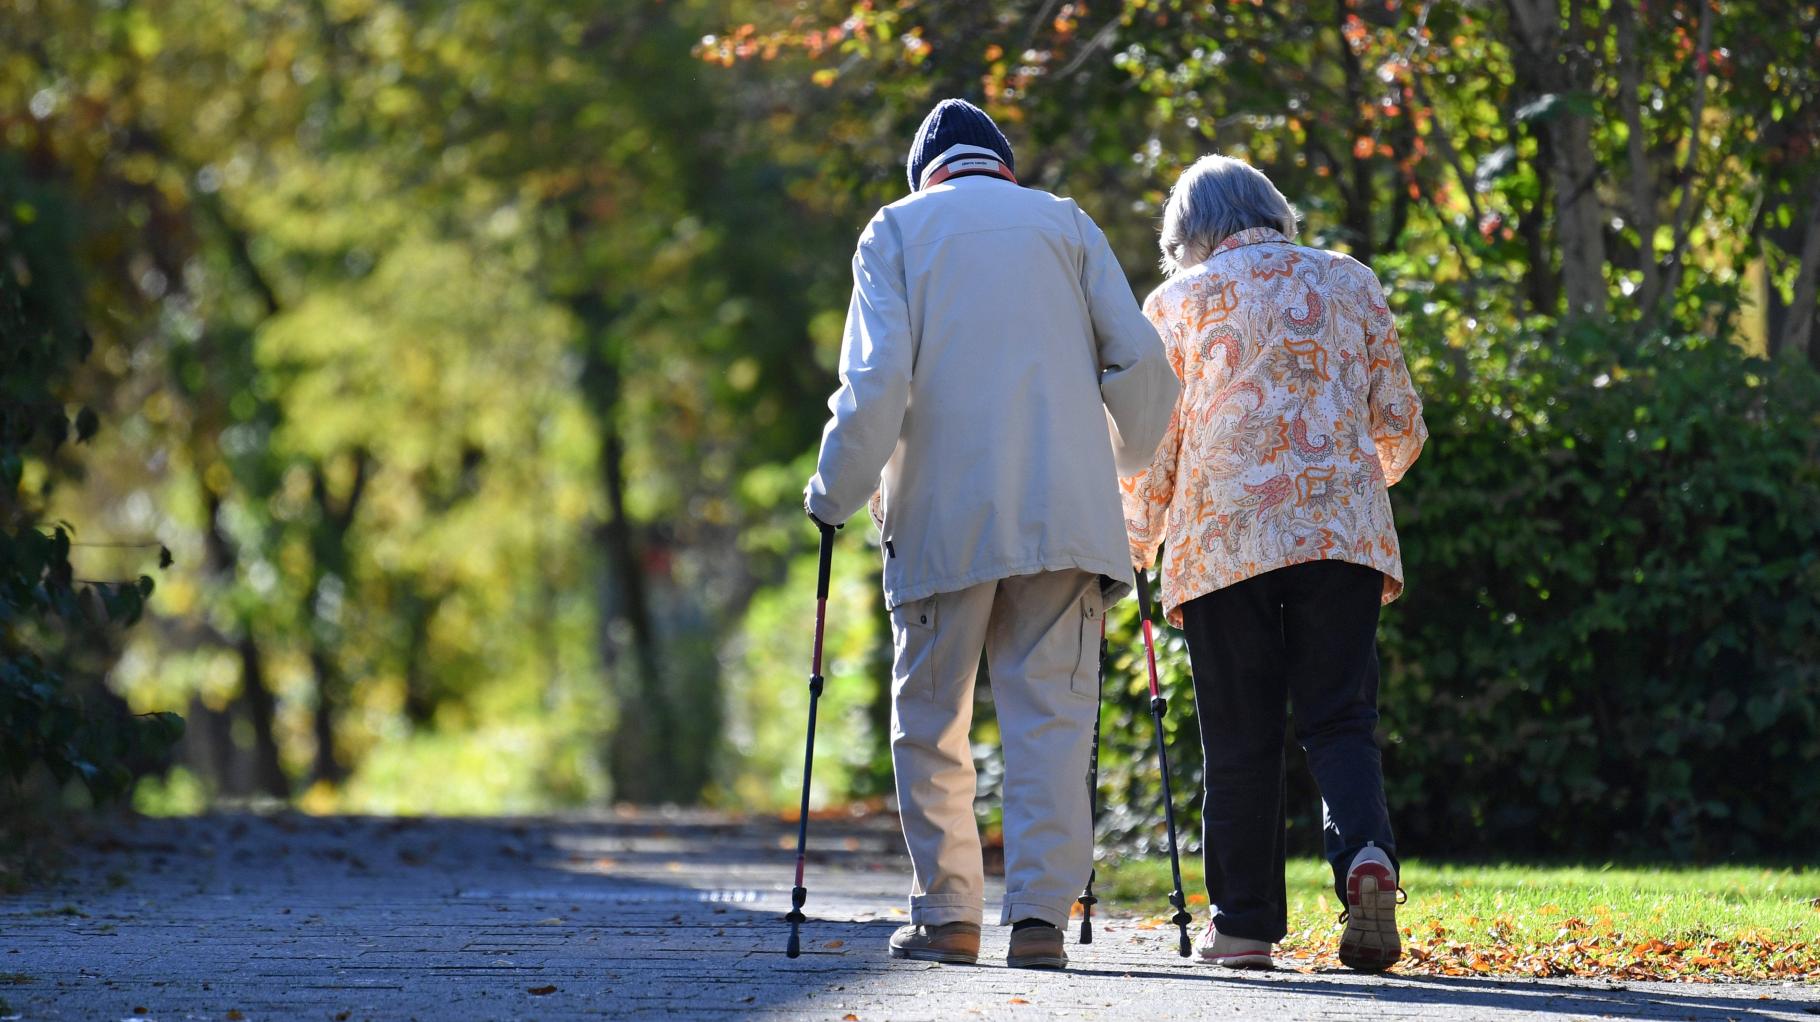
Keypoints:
pixel 1041 635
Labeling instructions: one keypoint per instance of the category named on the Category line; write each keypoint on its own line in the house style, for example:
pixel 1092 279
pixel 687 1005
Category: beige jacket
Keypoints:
pixel 997 377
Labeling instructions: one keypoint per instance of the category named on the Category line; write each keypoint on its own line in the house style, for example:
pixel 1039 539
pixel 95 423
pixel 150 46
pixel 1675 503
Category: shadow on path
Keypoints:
pixel 626 915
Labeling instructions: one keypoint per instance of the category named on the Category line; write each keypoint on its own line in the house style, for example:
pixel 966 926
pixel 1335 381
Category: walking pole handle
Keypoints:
pixel 1157 701
pixel 827 559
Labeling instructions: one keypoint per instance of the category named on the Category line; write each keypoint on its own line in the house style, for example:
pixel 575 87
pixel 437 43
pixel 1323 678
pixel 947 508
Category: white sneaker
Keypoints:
pixel 1233 952
pixel 1370 942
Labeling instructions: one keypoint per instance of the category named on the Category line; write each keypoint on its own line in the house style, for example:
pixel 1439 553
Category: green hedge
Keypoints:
pixel 1610 641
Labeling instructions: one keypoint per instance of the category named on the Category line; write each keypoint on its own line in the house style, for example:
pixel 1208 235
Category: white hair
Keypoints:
pixel 1213 200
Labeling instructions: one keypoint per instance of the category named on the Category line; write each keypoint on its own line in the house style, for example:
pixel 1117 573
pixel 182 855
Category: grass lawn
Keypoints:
pixel 1732 922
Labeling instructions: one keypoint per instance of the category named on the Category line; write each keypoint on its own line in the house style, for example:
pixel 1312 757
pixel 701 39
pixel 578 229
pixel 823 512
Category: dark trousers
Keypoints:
pixel 1304 635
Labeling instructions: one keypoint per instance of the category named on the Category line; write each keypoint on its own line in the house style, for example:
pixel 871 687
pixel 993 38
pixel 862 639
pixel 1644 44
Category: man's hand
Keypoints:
pixel 824 526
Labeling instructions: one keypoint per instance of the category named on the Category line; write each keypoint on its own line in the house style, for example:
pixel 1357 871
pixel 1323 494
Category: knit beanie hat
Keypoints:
pixel 954 122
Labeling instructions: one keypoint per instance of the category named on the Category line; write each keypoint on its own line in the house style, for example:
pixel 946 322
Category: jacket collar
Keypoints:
pixel 962 159
pixel 1250 236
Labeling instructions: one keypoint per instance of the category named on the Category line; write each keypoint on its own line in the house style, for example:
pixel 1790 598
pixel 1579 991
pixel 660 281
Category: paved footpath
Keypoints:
pixel 629 916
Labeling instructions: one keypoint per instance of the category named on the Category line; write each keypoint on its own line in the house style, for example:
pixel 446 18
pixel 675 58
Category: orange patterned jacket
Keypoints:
pixel 1296 414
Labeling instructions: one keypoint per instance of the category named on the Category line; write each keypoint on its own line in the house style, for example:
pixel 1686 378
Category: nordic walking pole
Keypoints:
pixel 799 893
pixel 1087 898
pixel 1159 705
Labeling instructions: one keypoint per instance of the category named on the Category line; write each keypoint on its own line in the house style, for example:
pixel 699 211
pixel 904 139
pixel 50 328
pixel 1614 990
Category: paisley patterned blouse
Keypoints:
pixel 1296 414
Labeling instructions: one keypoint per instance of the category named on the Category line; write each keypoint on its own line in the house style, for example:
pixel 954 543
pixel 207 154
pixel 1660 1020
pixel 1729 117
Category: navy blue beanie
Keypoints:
pixel 954 122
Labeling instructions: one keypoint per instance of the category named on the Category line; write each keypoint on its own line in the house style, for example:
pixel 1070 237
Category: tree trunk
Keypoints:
pixel 211 747
pixel 268 771
pixel 330 549
pixel 1355 185
pixel 222 561
pixel 325 766
pixel 1798 332
pixel 641 749
pixel 1555 65
pixel 1643 214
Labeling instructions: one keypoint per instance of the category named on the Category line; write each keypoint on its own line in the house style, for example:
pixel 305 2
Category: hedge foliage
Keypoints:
pixel 1610 640
pixel 47 720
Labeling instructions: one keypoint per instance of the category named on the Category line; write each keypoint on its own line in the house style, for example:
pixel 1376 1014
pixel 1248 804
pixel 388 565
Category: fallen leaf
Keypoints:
pixel 235 1015
pixel 1017 1000
pixel 540 991
pixel 834 943
pixel 849 1017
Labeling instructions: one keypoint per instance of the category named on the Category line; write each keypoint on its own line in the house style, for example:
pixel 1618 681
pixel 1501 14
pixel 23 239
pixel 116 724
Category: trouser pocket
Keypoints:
pixel 913 629
pixel 1091 612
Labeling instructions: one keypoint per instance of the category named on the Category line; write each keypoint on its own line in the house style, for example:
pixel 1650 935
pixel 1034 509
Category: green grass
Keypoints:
pixel 1640 922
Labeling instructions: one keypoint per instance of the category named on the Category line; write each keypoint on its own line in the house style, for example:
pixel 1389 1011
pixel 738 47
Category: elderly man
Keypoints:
pixel 990 338
pixel 1271 489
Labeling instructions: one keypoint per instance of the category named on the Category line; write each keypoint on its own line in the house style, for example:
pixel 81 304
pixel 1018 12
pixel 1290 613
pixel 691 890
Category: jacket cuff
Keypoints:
pixel 822 507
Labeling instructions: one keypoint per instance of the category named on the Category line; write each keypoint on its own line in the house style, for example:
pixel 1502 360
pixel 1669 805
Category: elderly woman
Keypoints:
pixel 1296 415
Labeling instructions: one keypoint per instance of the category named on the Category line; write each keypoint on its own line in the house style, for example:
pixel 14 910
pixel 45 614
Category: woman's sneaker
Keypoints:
pixel 1233 952
pixel 1370 942
pixel 953 943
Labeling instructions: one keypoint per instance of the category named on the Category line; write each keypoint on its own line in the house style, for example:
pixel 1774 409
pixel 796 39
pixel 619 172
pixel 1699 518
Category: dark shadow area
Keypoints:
pixel 641 914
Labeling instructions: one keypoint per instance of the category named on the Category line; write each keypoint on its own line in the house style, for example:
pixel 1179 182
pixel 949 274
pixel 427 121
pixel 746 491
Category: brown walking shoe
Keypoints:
pixel 952 943
pixel 1037 947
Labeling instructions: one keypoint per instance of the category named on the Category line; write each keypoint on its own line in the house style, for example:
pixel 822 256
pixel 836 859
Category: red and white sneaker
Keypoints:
pixel 1370 942
pixel 1230 952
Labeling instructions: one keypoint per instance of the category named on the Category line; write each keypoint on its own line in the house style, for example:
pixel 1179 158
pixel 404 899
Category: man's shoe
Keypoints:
pixel 950 943
pixel 1370 942
pixel 1037 947
pixel 1231 952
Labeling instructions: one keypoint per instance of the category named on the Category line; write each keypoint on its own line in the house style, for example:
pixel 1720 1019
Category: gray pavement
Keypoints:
pixel 625 916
